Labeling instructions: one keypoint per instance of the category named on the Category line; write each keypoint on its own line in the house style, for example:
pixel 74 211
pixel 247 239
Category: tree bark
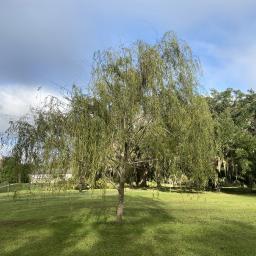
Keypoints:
pixel 158 184
pixel 19 177
pixel 120 207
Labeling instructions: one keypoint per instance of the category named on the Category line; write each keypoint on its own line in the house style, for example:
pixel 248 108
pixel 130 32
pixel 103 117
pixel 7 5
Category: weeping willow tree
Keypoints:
pixel 142 107
pixel 87 127
pixel 125 82
pixel 149 93
pixel 40 138
pixel 198 150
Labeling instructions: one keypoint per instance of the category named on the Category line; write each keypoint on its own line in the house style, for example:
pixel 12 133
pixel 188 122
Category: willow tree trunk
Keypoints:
pixel 19 177
pixel 120 207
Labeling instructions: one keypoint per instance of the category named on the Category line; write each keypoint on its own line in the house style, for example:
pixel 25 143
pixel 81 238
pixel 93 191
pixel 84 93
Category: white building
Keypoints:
pixel 43 178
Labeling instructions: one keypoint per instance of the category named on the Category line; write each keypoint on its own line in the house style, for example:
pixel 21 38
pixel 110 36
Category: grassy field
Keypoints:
pixel 169 224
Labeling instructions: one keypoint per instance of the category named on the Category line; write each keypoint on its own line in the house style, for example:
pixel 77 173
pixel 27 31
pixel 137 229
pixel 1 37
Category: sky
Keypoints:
pixel 46 46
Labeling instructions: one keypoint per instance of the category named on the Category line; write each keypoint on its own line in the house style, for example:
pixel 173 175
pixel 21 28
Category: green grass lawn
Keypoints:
pixel 84 224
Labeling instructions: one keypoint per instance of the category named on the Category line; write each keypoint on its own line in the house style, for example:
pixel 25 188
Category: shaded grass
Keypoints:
pixel 167 224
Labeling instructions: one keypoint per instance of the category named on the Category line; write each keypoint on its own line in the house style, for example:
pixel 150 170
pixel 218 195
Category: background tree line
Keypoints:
pixel 142 119
pixel 234 114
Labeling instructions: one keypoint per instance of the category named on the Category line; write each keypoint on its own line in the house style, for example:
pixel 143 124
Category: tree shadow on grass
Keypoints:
pixel 38 238
pixel 90 231
pixel 149 228
pixel 238 191
pixel 135 236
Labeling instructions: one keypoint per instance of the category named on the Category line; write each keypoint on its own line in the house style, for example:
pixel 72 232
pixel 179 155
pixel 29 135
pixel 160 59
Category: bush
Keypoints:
pixel 103 184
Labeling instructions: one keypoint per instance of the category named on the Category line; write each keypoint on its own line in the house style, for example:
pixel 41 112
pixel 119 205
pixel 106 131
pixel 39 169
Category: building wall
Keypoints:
pixel 41 178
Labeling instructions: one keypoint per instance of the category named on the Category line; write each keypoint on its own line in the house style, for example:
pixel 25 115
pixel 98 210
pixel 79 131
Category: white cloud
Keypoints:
pixel 54 40
pixel 17 100
pixel 49 40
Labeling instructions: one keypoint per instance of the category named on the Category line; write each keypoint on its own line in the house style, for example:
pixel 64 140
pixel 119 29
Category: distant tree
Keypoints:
pixel 234 114
pixel 13 171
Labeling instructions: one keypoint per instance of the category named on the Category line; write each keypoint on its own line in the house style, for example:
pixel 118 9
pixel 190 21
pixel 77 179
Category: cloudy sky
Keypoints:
pixel 50 43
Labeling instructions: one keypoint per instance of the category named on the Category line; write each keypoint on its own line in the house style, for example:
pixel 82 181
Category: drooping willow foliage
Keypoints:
pixel 142 117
